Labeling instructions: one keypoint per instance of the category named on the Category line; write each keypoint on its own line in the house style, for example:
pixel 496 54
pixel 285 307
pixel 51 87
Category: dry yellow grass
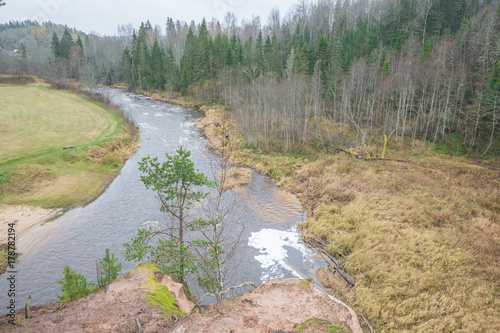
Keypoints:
pixel 421 239
pixel 422 243
pixel 237 177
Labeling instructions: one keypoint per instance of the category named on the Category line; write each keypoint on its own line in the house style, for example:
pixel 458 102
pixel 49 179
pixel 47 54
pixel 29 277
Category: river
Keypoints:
pixel 264 214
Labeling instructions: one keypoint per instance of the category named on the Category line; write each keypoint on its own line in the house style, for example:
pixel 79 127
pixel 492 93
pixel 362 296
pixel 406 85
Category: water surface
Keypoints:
pixel 262 213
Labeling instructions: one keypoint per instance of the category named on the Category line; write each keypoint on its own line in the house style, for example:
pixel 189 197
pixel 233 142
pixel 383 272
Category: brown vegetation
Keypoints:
pixel 421 239
pixel 238 177
pixel 420 236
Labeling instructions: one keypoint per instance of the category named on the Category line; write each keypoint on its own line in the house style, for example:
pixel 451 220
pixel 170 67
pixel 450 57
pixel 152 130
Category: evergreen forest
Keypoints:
pixel 343 73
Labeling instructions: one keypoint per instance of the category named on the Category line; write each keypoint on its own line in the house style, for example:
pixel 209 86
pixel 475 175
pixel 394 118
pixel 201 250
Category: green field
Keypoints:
pixel 36 123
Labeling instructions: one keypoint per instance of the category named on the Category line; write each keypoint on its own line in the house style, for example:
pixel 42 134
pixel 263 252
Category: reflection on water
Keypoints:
pixel 263 214
pixel 270 203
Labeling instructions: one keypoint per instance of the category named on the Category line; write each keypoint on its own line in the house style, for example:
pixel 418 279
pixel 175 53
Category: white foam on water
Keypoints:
pixel 147 126
pixel 271 244
pixel 188 124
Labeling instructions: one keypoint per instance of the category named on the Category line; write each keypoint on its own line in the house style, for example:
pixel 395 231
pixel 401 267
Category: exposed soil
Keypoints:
pixel 111 309
pixel 286 305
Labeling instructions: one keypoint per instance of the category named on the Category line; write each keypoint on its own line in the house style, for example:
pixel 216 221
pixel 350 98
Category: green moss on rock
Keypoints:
pixel 322 323
pixel 159 295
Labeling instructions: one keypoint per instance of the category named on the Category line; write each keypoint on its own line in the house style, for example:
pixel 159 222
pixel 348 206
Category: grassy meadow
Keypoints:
pixel 37 122
pixel 419 235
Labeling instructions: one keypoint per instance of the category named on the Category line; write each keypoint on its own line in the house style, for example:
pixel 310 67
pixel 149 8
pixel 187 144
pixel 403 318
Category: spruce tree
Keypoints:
pixel 202 57
pixel 65 44
pixel 126 74
pixel 259 54
pixel 171 80
pixel 55 45
pixel 302 60
pixel 248 51
pixel 140 57
pixel 157 63
pixel 187 61
pixel 323 56
pixel 274 56
pixel 79 42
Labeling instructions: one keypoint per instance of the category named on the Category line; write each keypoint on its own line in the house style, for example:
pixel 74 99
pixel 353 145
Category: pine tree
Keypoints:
pixel 73 285
pixel 109 270
pixel 178 185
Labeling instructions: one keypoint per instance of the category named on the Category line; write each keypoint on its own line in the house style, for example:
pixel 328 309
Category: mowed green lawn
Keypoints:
pixel 36 122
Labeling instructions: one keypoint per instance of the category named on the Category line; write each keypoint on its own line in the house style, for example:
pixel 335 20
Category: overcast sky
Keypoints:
pixel 104 16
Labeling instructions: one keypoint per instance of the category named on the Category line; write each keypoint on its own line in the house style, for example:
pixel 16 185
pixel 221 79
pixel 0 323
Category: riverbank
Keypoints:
pixel 62 150
pixel 146 300
pixel 419 235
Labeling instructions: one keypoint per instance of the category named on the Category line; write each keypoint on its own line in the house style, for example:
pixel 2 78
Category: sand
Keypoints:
pixel 24 217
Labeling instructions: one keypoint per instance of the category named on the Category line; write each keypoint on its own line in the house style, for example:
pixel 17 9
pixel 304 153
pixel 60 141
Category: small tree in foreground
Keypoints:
pixel 73 285
pixel 219 240
pixel 108 269
pixel 175 182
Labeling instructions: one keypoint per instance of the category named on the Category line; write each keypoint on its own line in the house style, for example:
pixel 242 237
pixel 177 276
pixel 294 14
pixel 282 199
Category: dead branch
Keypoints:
pixel 225 292
pixel 335 264
pixel 138 323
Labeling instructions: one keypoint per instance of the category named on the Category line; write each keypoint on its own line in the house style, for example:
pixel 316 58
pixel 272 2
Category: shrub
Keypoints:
pixel 73 285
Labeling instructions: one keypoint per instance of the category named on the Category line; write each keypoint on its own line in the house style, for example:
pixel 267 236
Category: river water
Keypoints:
pixel 264 215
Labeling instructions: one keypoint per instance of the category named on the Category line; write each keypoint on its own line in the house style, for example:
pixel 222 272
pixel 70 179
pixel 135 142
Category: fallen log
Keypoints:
pixel 335 264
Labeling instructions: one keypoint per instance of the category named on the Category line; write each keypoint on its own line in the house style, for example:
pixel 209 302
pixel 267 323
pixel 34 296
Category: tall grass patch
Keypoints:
pixel 421 239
